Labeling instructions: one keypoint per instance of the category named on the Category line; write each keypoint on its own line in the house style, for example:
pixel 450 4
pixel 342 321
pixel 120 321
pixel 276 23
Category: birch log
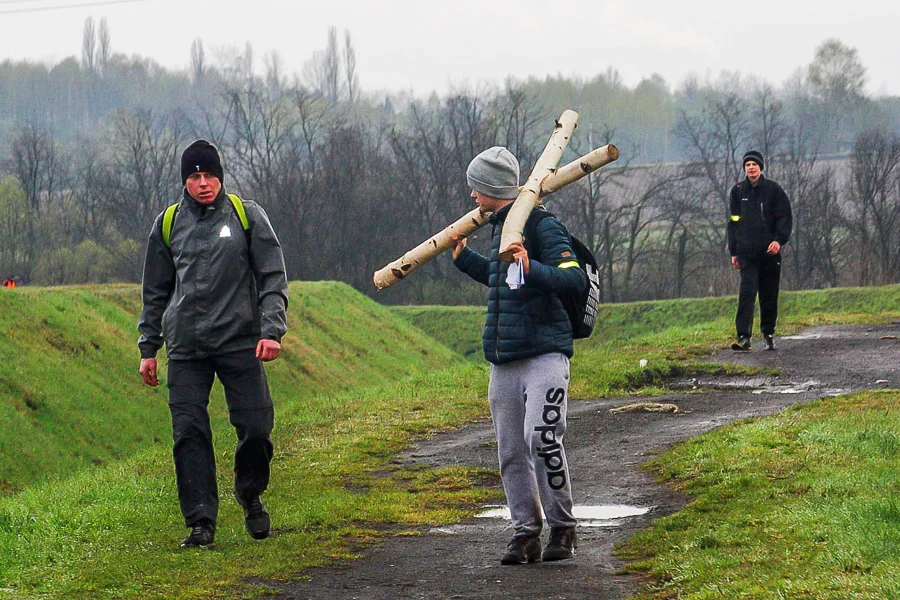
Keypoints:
pixel 465 226
pixel 530 193
pixel 421 254
pixel 575 170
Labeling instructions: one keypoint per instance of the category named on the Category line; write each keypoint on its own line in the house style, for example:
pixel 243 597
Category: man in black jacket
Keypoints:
pixel 759 226
pixel 215 291
pixel 527 338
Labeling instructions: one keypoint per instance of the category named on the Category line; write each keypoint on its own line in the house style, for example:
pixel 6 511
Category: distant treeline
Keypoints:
pixel 351 180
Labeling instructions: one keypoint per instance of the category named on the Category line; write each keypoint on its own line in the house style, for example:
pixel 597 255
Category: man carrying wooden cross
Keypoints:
pixel 527 338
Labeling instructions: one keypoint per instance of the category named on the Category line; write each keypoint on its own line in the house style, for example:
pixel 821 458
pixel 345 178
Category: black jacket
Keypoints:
pixel 759 215
pixel 531 320
pixel 217 289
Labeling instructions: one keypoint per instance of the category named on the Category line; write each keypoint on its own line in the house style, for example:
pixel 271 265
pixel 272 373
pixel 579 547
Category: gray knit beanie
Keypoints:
pixel 495 173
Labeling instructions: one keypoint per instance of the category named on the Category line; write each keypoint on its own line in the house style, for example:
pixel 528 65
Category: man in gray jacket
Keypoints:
pixel 215 292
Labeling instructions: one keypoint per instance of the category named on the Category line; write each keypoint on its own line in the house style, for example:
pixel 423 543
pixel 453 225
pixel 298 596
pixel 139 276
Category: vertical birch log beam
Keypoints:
pixel 530 193
pixel 475 219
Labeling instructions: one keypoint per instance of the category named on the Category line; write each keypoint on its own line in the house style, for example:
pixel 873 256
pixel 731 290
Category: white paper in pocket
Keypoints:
pixel 515 276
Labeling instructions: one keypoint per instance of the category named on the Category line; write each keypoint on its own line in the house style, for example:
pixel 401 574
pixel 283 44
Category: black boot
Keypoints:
pixel 742 344
pixel 256 518
pixel 202 534
pixel 561 545
pixel 770 342
pixel 521 550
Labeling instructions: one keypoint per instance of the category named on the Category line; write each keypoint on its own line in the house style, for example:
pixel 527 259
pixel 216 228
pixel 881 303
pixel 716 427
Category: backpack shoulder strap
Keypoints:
pixel 537 215
pixel 238 205
pixel 168 219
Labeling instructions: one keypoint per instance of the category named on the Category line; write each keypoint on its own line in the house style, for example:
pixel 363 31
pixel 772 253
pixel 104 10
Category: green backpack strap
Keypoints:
pixel 169 217
pixel 239 209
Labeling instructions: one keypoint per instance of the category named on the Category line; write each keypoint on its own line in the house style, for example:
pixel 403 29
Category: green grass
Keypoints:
pixel 353 386
pixel 800 505
pixel 113 531
pixel 90 509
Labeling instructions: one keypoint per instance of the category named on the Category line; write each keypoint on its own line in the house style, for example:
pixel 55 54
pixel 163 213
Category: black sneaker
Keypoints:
pixel 742 344
pixel 256 518
pixel 522 550
pixel 202 534
pixel 561 545
pixel 770 342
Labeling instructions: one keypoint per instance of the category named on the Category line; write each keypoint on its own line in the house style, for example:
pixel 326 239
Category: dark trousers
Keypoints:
pixel 251 413
pixel 761 275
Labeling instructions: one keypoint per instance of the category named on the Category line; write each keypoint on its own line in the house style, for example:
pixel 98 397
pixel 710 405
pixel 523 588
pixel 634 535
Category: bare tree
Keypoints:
pixel 350 68
pixel 716 139
pixel 274 73
pixel 271 161
pixel 590 208
pixel 812 256
pixel 875 195
pixel 145 159
pixel 472 127
pixel 16 223
pixel 520 118
pixel 332 68
pixel 89 45
pixel 768 123
pixel 104 49
pixel 36 161
pixel 198 60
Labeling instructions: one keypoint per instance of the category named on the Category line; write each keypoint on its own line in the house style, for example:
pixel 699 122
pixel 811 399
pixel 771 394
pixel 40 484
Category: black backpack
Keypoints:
pixel 582 308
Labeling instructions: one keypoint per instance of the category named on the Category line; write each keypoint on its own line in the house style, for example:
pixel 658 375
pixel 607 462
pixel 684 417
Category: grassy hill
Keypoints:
pixel 89 508
pixel 71 397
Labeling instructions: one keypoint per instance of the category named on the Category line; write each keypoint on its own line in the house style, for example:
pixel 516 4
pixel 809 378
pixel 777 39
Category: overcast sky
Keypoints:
pixel 425 45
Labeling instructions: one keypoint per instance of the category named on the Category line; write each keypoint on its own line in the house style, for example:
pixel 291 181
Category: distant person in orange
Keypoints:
pixel 10 282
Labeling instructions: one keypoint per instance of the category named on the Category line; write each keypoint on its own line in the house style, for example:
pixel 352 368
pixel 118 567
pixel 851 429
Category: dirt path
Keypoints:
pixel 605 449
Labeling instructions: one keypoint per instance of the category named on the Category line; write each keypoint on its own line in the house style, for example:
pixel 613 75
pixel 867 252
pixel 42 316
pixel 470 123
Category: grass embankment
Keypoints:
pixel 355 383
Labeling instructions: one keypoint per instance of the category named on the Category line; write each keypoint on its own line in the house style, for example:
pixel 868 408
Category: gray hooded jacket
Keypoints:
pixel 217 289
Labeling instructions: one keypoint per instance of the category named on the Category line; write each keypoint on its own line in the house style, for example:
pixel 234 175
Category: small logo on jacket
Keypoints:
pixel 226 231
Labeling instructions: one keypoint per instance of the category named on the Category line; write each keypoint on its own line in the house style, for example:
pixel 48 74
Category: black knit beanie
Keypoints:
pixel 754 155
pixel 201 156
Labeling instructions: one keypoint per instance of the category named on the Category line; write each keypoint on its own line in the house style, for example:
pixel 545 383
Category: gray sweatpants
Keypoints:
pixel 528 401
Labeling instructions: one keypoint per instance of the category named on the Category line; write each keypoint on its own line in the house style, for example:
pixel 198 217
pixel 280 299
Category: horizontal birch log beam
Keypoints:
pixel 421 254
pixel 530 193
pixel 581 167
pixel 475 219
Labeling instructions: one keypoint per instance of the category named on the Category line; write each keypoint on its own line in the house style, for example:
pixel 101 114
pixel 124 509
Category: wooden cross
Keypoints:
pixel 545 179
